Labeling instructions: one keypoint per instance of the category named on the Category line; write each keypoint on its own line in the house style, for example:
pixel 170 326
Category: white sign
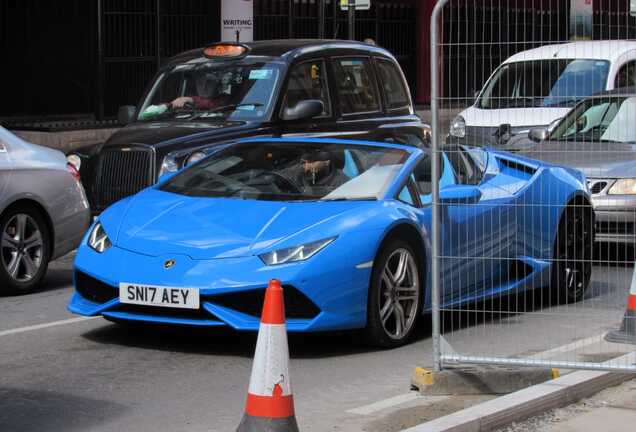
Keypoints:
pixel 237 16
pixel 360 4
pixel 632 7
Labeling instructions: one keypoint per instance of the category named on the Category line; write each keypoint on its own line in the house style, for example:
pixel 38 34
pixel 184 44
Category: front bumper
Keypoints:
pixel 615 218
pixel 319 294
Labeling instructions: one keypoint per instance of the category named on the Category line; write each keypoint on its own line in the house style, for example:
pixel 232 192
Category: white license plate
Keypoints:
pixel 152 295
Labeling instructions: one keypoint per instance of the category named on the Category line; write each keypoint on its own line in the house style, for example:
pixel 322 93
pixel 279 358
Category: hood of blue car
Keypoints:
pixel 158 223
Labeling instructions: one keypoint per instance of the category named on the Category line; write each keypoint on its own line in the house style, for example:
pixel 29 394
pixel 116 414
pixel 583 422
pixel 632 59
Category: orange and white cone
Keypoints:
pixel 627 333
pixel 270 404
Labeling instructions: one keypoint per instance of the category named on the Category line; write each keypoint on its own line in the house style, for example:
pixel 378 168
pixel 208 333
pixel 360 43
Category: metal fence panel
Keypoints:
pixel 534 184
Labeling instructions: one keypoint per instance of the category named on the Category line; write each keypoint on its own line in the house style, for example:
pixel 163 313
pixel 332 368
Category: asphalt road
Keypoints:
pixel 95 375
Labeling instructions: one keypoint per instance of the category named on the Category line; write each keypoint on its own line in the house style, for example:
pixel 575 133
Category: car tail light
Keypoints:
pixel 74 172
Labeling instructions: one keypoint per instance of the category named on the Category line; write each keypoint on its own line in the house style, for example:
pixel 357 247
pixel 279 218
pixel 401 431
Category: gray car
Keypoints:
pixel 598 137
pixel 43 211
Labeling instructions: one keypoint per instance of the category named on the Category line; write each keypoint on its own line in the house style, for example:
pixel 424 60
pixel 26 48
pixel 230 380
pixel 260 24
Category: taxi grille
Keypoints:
pixel 93 289
pixel 121 173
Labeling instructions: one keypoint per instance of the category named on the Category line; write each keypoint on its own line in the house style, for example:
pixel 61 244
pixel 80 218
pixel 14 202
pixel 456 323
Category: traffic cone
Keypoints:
pixel 270 404
pixel 627 332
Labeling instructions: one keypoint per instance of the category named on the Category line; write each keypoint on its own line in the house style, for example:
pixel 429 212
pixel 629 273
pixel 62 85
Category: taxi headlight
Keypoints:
pixel 623 187
pixel 98 239
pixel 458 127
pixel 194 158
pixel 296 253
pixel 169 165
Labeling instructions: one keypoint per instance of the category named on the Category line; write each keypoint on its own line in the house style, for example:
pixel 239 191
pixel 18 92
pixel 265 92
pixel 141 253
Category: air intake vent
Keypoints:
pixel 596 187
pixel 93 289
pixel 297 305
pixel 517 166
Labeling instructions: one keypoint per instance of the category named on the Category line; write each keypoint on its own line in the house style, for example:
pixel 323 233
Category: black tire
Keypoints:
pixel 23 281
pixel 379 332
pixel 573 255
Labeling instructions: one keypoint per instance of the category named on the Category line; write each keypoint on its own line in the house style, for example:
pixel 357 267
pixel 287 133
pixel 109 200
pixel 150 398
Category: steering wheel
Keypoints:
pixel 292 186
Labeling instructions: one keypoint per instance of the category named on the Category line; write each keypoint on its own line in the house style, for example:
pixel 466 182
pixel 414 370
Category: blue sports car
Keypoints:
pixel 345 226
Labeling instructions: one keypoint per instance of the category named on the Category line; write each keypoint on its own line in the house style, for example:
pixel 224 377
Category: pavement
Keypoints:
pixel 612 410
pixel 61 373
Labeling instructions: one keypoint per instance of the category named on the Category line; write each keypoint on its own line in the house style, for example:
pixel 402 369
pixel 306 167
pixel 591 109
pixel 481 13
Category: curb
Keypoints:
pixel 479 380
pixel 531 401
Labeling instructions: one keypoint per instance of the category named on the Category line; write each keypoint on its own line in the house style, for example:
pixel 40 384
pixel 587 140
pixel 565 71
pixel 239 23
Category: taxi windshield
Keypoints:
pixel 213 90
pixel 274 171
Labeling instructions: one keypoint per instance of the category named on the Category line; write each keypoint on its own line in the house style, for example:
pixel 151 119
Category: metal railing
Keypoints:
pixel 518 277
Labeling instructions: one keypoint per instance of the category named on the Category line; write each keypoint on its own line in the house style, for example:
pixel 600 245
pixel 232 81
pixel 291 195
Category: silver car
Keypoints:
pixel 43 211
pixel 599 138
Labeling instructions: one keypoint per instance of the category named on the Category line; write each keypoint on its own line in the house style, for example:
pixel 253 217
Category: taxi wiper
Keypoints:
pixel 233 107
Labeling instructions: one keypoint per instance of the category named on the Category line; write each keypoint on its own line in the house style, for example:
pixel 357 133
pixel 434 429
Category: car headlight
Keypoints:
pixel 295 253
pixel 74 160
pixel 458 127
pixel 168 165
pixel 623 187
pixel 194 158
pixel 98 239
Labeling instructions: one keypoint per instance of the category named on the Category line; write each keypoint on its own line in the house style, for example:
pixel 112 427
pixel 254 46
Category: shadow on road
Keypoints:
pixel 36 410
pixel 224 341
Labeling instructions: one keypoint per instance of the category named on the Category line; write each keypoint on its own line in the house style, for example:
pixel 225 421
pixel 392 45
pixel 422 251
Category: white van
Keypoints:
pixel 535 88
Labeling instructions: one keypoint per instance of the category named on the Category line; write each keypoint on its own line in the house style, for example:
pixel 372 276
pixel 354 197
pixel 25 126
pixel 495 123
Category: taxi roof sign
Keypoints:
pixel 225 51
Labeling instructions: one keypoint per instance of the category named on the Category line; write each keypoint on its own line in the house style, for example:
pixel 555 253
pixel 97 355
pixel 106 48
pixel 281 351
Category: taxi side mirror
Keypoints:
pixel 304 109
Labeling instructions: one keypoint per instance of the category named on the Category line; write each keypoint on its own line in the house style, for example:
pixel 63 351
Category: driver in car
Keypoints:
pixel 321 172
pixel 209 94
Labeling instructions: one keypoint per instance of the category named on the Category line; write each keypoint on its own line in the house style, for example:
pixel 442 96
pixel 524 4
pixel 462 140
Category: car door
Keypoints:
pixel 400 125
pixel 471 225
pixel 307 80
pixel 357 101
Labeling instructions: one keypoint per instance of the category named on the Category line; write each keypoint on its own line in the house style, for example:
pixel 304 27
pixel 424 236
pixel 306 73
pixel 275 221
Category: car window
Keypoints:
pixel 392 85
pixel 626 76
pixel 599 119
pixel 308 80
pixel 544 83
pixel 356 90
pixel 424 180
pixel 406 197
pixel 468 164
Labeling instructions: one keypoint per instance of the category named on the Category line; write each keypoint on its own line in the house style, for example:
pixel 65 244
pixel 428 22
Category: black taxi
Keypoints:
pixel 226 91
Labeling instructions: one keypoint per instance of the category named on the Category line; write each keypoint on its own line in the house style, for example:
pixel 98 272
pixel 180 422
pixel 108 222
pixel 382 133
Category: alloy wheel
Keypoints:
pixel 399 294
pixel 21 247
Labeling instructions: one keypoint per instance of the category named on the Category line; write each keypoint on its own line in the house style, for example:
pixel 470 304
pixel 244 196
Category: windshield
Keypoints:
pixel 291 172
pixel 235 90
pixel 600 119
pixel 544 83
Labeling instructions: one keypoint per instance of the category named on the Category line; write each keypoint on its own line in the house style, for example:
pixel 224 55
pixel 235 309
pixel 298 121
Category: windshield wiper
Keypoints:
pixel 233 107
pixel 564 103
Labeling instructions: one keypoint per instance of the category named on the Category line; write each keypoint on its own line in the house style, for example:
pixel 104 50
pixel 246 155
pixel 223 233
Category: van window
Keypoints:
pixel 392 85
pixel 544 83
pixel 626 76
pixel 308 81
pixel 356 90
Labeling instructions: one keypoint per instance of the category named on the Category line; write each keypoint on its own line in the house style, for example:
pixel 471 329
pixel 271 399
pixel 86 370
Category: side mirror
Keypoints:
pixel 538 134
pixel 126 114
pixel 459 194
pixel 305 109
